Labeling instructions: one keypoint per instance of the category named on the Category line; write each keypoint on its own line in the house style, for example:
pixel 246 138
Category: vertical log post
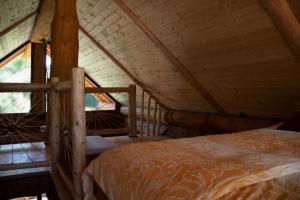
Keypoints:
pixel 64 39
pixel 38 75
pixel 132 111
pixel 54 125
pixel 78 130
pixel 142 113
pixel 154 119
pixel 159 119
pixel 148 115
pixel 64 47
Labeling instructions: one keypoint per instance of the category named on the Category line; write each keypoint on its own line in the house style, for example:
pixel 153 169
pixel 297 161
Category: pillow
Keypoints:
pixel 292 124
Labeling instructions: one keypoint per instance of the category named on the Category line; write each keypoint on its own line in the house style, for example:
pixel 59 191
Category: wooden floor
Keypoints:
pixel 15 156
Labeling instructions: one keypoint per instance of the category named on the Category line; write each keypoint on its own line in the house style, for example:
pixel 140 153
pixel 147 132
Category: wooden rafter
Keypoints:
pixel 118 63
pixel 170 56
pixel 17 24
pixel 286 21
pixel 42 25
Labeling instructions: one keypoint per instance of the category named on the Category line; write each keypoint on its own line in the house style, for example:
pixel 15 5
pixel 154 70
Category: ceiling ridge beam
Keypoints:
pixel 171 57
pixel 120 65
pixel 17 23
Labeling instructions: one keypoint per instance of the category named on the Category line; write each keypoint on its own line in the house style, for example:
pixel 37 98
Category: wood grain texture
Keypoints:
pixel 233 47
pixel 15 36
pixel 170 56
pixel 78 131
pixel 286 20
pixel 38 75
pixel 64 44
pixel 12 11
pixel 55 136
pixel 115 61
pixel 42 27
pixel 138 54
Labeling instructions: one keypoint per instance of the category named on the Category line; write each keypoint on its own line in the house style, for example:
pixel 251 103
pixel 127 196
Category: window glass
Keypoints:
pixel 16 71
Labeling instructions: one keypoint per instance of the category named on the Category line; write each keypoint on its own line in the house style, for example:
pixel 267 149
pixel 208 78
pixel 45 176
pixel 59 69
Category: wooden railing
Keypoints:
pixel 75 150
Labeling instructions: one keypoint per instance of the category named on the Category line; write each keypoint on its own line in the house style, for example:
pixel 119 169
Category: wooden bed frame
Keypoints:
pixel 77 90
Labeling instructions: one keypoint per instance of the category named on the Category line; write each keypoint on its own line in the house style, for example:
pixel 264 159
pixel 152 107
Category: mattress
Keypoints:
pixel 257 164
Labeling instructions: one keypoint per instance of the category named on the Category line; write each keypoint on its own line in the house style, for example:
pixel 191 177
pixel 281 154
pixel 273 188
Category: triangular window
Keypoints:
pixel 16 70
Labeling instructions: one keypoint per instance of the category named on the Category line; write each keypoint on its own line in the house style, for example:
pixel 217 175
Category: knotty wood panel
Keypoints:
pixel 117 33
pixel 16 37
pixel 13 10
pixel 100 68
pixel 233 47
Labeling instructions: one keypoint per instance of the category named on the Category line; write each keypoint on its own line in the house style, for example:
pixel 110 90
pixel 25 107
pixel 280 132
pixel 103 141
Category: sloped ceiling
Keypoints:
pixel 12 11
pixel 231 47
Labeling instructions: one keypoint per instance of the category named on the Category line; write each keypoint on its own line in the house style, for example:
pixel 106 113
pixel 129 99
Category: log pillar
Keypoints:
pixel 78 130
pixel 64 58
pixel 132 111
pixel 64 39
pixel 38 75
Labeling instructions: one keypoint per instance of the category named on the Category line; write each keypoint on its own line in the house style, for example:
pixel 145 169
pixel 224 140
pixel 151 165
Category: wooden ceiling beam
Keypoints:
pixel 17 23
pixel 169 55
pixel 286 21
pixel 41 29
pixel 119 64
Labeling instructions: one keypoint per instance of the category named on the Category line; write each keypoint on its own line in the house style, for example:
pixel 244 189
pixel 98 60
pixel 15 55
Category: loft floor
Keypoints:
pixel 23 155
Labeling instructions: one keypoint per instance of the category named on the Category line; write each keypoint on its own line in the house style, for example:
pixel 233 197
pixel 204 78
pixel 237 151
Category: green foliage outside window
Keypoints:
pixel 16 71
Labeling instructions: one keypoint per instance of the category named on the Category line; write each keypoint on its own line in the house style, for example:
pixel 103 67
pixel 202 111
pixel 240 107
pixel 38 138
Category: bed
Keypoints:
pixel 257 164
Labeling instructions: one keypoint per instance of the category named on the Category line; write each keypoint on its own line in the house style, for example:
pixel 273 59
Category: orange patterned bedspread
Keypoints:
pixel 258 164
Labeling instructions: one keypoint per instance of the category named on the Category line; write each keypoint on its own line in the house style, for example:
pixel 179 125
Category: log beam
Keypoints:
pixel 171 57
pixel 286 21
pixel 42 26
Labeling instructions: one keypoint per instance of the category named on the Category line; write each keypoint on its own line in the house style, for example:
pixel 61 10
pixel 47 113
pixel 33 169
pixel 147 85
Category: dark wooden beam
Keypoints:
pixel 38 75
pixel 286 21
pixel 17 24
pixel 119 64
pixel 170 56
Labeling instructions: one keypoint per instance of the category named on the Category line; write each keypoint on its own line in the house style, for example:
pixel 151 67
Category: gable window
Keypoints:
pixel 18 70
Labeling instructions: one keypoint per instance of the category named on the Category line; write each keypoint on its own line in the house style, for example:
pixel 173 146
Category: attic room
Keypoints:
pixel 150 99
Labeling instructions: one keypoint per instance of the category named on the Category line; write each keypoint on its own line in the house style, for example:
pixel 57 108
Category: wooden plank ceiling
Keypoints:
pixel 231 48
pixel 13 12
